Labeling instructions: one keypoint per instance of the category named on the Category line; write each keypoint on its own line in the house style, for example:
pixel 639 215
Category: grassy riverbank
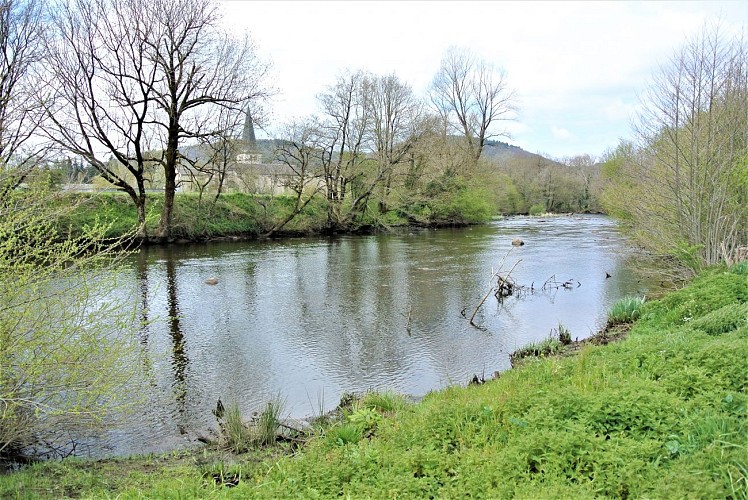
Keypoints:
pixel 249 216
pixel 660 414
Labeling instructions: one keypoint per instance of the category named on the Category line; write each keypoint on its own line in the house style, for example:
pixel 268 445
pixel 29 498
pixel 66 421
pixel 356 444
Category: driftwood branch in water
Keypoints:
pixel 503 286
pixel 494 288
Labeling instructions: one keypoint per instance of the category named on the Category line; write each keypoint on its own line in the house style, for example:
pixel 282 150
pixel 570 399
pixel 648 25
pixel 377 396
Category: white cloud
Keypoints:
pixel 561 133
pixel 577 63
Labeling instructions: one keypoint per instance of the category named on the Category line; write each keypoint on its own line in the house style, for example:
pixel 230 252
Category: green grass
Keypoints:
pixel 661 414
pixel 626 310
pixel 547 347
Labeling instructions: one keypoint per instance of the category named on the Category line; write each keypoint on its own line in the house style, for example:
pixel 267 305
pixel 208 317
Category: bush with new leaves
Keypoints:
pixel 66 347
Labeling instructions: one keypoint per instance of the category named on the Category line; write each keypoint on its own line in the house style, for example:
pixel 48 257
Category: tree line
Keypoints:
pixel 681 184
pixel 127 86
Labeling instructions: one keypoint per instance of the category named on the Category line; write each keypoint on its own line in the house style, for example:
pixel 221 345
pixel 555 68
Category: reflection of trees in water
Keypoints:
pixel 142 278
pixel 179 360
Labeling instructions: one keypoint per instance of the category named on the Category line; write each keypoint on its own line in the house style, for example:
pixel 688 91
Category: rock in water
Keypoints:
pixel 211 281
pixel 517 242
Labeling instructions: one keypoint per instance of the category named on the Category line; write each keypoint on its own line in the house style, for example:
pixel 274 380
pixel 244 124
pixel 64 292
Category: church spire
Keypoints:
pixel 248 135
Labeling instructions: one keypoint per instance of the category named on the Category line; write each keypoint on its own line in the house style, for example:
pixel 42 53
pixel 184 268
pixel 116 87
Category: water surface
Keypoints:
pixel 310 319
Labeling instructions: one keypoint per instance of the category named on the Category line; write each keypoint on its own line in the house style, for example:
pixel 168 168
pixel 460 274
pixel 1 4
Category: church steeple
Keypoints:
pixel 248 134
pixel 249 153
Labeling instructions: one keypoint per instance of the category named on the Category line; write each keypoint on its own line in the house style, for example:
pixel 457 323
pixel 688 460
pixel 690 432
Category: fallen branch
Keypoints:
pixel 501 281
pixel 503 286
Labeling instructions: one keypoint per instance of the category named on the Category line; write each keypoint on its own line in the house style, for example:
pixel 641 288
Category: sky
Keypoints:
pixel 578 68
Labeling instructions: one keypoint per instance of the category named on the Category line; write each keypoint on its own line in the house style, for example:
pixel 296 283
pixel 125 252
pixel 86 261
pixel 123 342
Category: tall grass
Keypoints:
pixel 237 436
pixel 269 419
pixel 626 310
pixel 240 436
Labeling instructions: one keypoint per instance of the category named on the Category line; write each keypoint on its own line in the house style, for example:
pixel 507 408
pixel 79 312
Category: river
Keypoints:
pixel 310 319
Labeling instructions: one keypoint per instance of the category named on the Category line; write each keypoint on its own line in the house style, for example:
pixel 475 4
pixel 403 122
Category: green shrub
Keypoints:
pixel 740 268
pixel 723 320
pixel 68 354
pixel 537 209
pixel 343 434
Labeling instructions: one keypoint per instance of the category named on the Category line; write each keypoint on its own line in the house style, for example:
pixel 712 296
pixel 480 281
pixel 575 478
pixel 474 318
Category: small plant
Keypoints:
pixel 385 402
pixel 237 436
pixel 341 435
pixel 740 268
pixel 626 310
pixel 269 420
pixel 320 416
pixel 366 419
pixel 221 475
pixel 564 335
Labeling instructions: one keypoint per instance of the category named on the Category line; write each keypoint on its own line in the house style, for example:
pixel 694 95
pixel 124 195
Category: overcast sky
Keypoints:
pixel 577 67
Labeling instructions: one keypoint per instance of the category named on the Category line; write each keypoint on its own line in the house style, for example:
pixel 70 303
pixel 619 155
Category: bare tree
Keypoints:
pixel 299 151
pixel 101 107
pixel 214 154
pixel 395 114
pixel 136 76
pixel 22 44
pixel 693 133
pixel 472 96
pixel 201 70
pixel 342 152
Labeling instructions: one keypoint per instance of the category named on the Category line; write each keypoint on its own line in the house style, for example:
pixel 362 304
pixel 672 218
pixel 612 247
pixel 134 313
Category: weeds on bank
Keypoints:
pixel 558 338
pixel 240 436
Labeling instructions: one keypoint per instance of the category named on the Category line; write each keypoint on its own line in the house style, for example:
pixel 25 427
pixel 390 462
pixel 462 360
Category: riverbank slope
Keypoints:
pixel 659 414
pixel 245 216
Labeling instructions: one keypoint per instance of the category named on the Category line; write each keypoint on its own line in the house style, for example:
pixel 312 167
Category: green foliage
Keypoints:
pixel 537 209
pixel 454 199
pixel 547 347
pixel 366 419
pixel 239 437
pixel 724 320
pixel 626 310
pixel 67 350
pixel 384 402
pixel 343 434
pixel 740 268
pixel 704 295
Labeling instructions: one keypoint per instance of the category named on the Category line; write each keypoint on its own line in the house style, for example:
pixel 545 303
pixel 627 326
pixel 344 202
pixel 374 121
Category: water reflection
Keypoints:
pixel 179 360
pixel 318 317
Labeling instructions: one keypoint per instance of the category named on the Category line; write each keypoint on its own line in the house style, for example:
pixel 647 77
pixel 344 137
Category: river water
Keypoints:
pixel 310 319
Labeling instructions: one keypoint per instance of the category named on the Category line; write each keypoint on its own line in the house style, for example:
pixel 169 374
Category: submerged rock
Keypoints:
pixel 211 281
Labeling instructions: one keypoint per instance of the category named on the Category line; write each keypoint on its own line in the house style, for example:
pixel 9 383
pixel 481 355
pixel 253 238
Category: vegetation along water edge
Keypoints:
pixel 661 413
